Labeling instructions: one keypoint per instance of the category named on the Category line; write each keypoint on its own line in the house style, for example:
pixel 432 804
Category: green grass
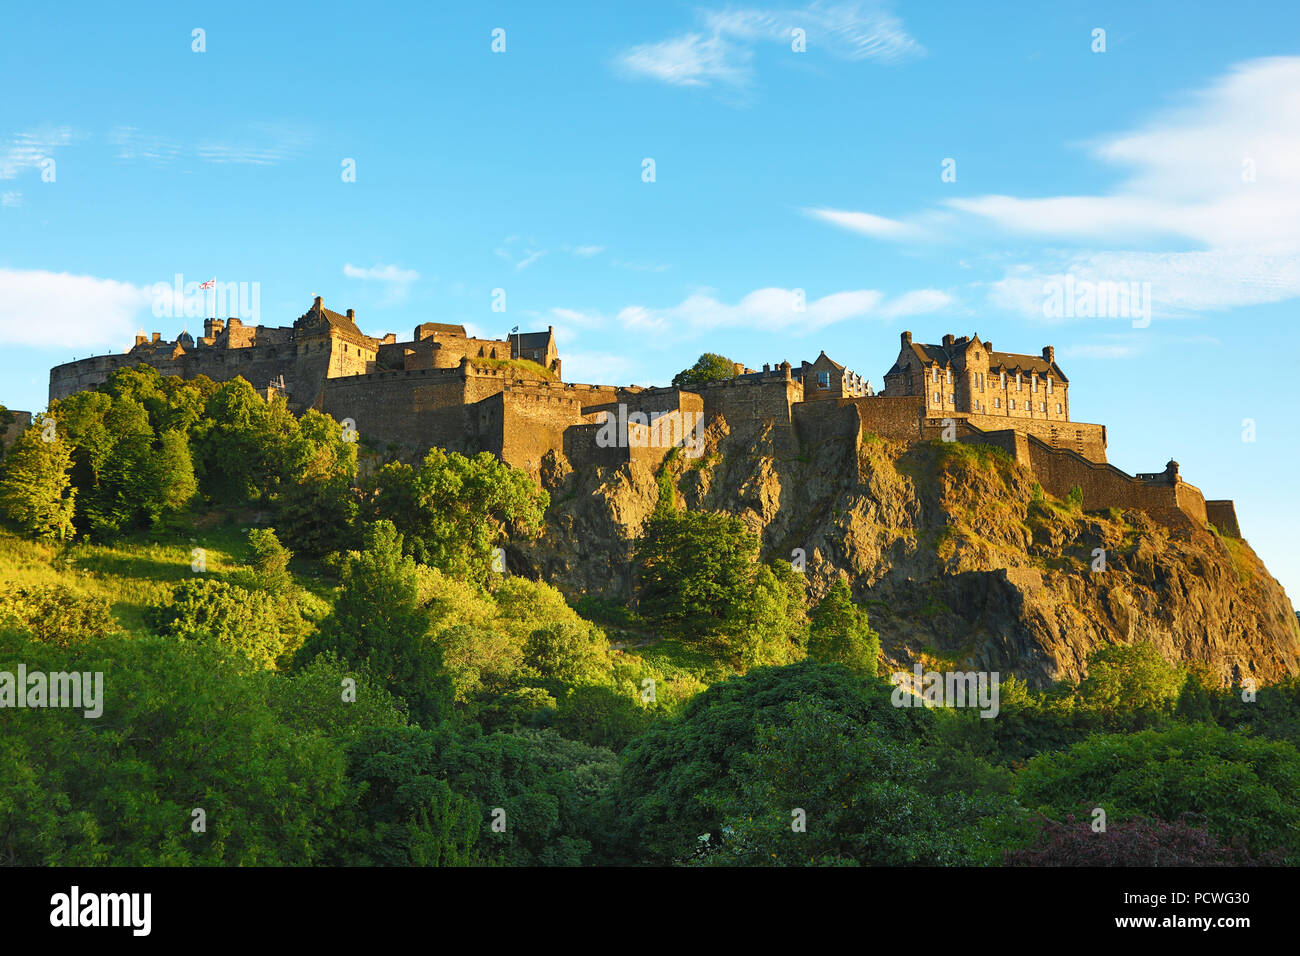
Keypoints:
pixel 139 572
pixel 522 365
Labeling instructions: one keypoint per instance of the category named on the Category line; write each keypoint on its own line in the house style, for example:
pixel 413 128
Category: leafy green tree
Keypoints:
pixel 183 728
pixel 205 609
pixel 1229 784
pixel 567 652
pixel 1131 685
pixel 316 505
pixel 36 493
pixel 177 484
pixel 840 634
pixel 694 572
pixel 451 509
pixel 406 814
pixel 55 614
pixel 379 620
pixel 268 560
pixel 675 783
pixel 709 367
pixel 819 787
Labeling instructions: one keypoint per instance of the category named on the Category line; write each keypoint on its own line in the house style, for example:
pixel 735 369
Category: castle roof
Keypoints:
pixel 945 356
pixel 532 340
pixel 320 319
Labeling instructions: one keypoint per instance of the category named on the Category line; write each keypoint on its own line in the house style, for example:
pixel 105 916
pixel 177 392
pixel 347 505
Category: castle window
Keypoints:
pixel 1034 383
pixel 1018 388
pixel 1004 380
pixel 1058 408
pixel 949 376
pixel 1012 405
pixel 1042 406
pixel 936 398
pixel 823 379
pixel 1049 385
pixel 934 375
pixel 997 403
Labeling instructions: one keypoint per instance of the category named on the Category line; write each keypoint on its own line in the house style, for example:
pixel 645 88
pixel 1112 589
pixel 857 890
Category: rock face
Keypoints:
pixel 953 548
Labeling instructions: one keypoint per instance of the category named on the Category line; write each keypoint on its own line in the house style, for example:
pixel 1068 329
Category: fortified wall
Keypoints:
pixel 445 388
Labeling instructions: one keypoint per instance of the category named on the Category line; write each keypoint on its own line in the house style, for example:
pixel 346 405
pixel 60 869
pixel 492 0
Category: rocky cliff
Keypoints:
pixel 954 548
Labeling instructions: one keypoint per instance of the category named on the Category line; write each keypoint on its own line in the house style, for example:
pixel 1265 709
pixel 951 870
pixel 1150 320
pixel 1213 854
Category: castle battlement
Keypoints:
pixel 448 389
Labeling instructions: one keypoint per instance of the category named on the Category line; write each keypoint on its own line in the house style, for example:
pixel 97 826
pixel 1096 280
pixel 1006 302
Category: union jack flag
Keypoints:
pixel 208 285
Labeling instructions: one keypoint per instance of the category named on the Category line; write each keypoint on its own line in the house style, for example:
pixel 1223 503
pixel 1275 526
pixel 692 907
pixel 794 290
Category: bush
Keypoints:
pixel 208 610
pixel 55 614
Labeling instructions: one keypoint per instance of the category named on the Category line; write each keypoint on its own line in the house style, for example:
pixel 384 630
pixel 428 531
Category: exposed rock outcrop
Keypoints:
pixel 955 550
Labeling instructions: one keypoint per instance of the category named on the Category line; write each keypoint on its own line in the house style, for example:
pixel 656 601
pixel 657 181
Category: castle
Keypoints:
pixel 448 389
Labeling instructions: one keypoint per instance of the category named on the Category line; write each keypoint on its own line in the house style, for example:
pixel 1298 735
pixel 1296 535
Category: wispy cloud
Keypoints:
pixel 56 308
pixel 29 149
pixel 519 252
pixel 262 144
pixel 867 224
pixel 1216 176
pixel 586 252
pixel 396 281
pixel 769 309
pixel 720 52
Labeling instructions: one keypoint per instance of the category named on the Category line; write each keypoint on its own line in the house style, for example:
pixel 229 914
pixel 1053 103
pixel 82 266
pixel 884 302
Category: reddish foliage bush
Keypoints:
pixel 1137 842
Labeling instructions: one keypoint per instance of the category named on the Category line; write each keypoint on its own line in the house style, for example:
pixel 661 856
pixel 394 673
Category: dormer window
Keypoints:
pixel 1049 385
pixel 949 376
pixel 1004 380
pixel 1018 385
pixel 934 376
pixel 823 379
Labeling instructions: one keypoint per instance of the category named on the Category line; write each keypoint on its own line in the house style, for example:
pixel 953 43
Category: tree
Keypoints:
pixel 36 493
pixel 55 613
pixel 840 633
pixel 694 572
pixel 379 620
pixel 268 559
pixel 1229 784
pixel 451 508
pixel 1131 685
pixel 204 609
pixel 709 367
pixel 675 781
pixel 1136 842
pixel 820 787
pixel 183 728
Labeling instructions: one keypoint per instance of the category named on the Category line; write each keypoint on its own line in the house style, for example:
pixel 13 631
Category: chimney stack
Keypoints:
pixel 157 336
pixel 318 304
pixel 141 338
pixel 351 315
pixel 906 339
pixel 1049 353
pixel 947 341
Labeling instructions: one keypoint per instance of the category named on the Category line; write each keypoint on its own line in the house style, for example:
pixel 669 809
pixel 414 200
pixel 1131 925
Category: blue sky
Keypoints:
pixel 1170 160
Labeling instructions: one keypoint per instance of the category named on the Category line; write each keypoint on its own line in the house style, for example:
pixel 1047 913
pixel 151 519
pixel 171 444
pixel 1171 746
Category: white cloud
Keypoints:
pixel 519 253
pixel 721 53
pixel 28 150
pixel 867 224
pixel 55 308
pixel 381 273
pixel 586 252
pixel 769 309
pixel 1208 212
pixel 1099 351
pixel 262 144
